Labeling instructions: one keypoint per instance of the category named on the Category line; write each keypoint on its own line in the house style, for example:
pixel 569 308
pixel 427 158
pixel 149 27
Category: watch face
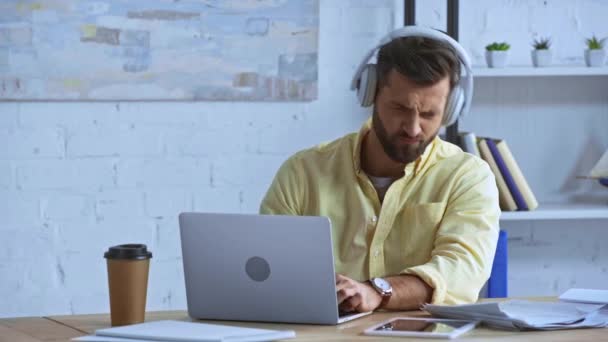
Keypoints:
pixel 382 284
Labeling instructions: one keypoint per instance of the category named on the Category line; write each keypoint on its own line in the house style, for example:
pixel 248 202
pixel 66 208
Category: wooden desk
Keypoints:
pixel 62 328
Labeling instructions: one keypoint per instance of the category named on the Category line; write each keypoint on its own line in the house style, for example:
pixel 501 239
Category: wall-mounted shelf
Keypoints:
pixel 559 212
pixel 523 71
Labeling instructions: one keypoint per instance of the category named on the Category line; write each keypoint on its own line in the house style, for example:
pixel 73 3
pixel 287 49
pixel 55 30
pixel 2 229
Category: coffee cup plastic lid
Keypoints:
pixel 128 252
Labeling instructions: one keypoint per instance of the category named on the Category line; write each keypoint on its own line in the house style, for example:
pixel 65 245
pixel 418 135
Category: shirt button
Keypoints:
pixel 376 253
pixel 374 219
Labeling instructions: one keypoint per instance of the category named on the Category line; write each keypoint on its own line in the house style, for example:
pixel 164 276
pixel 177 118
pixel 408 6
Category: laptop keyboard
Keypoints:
pixel 344 313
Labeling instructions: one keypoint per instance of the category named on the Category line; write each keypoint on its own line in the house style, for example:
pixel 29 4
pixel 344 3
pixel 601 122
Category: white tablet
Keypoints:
pixel 421 327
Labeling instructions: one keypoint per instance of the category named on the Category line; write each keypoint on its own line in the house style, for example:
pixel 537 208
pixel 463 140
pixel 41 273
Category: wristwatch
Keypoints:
pixel 384 288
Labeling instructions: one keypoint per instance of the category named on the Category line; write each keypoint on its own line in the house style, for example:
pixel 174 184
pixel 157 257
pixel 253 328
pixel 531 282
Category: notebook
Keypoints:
pixel 185 331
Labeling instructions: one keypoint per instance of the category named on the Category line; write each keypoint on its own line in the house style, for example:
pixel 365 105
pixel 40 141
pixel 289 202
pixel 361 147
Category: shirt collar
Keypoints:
pixel 414 167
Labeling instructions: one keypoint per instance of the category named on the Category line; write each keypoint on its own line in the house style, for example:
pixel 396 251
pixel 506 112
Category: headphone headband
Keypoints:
pixel 424 32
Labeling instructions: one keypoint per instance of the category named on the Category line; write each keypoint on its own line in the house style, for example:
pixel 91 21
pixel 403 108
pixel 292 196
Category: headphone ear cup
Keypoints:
pixel 366 92
pixel 454 106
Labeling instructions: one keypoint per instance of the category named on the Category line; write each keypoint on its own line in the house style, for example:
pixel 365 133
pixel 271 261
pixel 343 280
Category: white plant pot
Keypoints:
pixel 541 58
pixel 595 58
pixel 496 59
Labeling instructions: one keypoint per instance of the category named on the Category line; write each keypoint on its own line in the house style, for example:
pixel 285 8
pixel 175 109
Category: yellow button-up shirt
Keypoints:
pixel 439 221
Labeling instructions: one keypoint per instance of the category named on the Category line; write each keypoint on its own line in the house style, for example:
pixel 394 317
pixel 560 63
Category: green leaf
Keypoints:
pixel 595 44
pixel 504 46
pixel 542 43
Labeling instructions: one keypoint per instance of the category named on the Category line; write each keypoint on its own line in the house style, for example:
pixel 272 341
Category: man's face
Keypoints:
pixel 407 116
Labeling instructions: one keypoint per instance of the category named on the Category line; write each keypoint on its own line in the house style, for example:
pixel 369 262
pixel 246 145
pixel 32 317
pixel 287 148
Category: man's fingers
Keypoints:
pixel 347 292
pixel 340 278
pixel 344 294
pixel 342 285
pixel 343 282
pixel 352 303
pixel 346 306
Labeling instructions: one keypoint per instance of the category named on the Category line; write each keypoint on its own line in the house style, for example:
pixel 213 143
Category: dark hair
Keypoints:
pixel 424 61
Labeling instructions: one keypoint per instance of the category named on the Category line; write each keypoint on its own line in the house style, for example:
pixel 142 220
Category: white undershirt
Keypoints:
pixel 381 184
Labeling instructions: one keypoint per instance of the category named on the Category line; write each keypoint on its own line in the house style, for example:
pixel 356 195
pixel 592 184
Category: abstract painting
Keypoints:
pixel 199 50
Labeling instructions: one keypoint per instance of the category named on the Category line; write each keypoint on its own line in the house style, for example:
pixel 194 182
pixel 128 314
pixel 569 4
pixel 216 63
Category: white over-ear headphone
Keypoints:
pixel 459 102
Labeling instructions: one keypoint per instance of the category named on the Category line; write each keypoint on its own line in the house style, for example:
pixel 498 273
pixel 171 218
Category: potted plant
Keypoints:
pixel 496 54
pixel 595 54
pixel 541 55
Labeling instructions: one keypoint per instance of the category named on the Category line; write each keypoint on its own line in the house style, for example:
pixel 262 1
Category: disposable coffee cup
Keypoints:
pixel 128 267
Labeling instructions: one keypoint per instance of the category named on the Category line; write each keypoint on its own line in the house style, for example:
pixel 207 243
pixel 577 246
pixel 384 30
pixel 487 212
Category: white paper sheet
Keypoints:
pixel 186 331
pixel 524 315
pixel 585 296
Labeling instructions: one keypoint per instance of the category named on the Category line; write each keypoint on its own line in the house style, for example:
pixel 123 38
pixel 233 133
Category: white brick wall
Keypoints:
pixel 32 143
pixel 62 174
pixel 159 203
pixel 76 178
pixel 162 172
pixel 66 115
pixel 19 209
pixel 116 205
pixel 8 119
pixel 108 141
pixel 7 175
pixel 65 206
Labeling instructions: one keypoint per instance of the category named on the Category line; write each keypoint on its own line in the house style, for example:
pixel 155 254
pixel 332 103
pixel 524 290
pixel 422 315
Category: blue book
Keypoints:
pixel 506 174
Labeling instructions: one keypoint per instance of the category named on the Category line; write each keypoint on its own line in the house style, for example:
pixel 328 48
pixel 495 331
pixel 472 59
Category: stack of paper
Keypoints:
pixel 585 296
pixel 527 315
pixel 185 331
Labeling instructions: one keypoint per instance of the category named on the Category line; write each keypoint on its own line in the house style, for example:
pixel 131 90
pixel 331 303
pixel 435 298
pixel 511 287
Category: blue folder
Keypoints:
pixel 497 284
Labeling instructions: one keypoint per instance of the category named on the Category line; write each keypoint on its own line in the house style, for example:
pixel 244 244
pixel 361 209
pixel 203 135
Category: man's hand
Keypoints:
pixel 356 296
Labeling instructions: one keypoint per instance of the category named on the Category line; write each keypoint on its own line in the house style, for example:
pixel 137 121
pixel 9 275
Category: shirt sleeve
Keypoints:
pixel 284 197
pixel 465 243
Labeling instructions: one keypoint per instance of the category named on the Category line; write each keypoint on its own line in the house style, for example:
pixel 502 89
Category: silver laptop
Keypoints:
pixel 260 268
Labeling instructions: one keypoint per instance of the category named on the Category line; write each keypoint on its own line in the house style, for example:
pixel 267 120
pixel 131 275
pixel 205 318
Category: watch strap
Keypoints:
pixel 386 296
pixel 385 299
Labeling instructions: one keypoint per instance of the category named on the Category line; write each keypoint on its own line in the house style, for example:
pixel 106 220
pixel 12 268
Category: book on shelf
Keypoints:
pixel 513 190
pixel 507 203
pixel 600 169
pixel 468 143
pixel 506 174
pixel 518 176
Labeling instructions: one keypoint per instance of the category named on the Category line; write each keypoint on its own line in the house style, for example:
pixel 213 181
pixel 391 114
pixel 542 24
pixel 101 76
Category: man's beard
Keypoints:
pixel 403 155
